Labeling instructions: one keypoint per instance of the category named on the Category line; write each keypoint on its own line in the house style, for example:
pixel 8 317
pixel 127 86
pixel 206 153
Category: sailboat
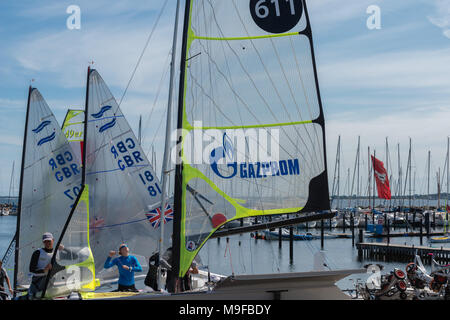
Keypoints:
pixel 228 96
pixel 226 93
pixel 117 204
pixel 49 184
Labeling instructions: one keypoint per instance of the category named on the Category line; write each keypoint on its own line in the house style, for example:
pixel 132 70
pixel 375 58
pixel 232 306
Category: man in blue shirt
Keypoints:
pixel 127 265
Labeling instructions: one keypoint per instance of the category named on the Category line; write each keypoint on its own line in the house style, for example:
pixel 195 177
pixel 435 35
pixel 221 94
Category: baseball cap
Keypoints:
pixel 47 236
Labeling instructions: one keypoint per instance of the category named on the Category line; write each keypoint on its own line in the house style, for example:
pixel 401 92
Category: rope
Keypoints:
pixel 143 51
pixel 225 255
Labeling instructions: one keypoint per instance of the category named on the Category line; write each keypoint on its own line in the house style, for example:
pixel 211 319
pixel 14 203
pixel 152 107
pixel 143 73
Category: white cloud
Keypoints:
pixel 331 12
pixel 441 16
pixel 65 55
pixel 98 7
pixel 403 69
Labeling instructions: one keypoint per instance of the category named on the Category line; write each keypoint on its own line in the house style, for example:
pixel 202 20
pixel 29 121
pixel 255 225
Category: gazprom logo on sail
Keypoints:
pixel 248 170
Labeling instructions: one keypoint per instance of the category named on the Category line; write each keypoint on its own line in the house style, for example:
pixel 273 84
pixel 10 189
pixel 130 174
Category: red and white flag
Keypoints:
pixel 381 177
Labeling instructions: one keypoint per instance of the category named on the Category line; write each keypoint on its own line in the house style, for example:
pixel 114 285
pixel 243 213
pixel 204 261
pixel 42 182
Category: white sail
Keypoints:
pixel 249 90
pixel 124 193
pixel 50 183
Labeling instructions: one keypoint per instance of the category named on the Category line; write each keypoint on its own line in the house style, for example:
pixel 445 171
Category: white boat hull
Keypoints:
pixel 315 285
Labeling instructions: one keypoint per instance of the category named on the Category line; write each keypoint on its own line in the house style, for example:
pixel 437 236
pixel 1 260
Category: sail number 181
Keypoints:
pixel 147 177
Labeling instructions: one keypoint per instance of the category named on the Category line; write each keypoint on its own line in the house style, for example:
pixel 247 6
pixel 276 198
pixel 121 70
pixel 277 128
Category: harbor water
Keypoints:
pixel 242 254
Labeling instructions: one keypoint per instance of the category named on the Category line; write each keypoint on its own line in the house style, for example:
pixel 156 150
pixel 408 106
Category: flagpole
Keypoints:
pixel 428 181
pixel 410 167
pixel 368 167
pixel 387 166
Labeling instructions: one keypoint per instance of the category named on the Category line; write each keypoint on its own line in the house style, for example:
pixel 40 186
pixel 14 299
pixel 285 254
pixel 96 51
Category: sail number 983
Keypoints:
pixel 276 16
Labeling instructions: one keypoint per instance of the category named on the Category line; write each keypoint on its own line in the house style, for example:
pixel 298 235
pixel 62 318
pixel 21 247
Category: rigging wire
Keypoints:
pixel 143 50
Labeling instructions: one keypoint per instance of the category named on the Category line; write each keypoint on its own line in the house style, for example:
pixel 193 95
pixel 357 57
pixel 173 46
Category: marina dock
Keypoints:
pixel 401 253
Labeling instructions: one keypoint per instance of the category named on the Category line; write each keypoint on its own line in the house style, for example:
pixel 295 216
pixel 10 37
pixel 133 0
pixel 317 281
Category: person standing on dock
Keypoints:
pixel 127 265
pixel 3 277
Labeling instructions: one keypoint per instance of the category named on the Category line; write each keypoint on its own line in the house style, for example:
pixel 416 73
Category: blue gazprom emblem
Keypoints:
pixel 248 170
pixel 223 152
pixel 100 114
pixel 39 128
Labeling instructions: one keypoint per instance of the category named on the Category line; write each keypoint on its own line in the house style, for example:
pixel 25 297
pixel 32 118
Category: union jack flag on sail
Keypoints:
pixel 154 216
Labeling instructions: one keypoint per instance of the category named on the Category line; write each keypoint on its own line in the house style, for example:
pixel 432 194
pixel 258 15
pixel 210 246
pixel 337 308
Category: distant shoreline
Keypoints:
pixel 10 200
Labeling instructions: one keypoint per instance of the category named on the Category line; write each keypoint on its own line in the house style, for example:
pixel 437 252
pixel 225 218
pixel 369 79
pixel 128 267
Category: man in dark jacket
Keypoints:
pixel 40 265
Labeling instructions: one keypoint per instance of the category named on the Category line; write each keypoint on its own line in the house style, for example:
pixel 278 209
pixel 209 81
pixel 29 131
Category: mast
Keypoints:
pixel 369 171
pixel 354 171
pixel 373 166
pixel 410 167
pixel 11 183
pixel 428 181
pixel 408 172
pixel 336 173
pixel 179 166
pixel 165 165
pixel 140 130
pixel 448 176
pixel 399 187
pixel 19 204
pixel 357 184
pixel 348 187
pixel 339 171
pixel 439 187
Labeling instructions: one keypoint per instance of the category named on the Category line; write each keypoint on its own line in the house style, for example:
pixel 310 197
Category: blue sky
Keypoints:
pixel 391 82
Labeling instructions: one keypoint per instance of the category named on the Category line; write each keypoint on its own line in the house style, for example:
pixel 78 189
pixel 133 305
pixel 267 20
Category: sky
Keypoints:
pixel 392 81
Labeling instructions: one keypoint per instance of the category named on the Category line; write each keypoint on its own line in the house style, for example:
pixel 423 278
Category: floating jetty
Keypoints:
pixel 402 234
pixel 402 253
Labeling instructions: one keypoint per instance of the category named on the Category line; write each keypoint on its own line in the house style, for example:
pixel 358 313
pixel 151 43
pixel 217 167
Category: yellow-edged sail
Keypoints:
pixel 251 126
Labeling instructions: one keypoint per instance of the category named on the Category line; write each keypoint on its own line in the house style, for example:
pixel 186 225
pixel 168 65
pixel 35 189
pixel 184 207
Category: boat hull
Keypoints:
pixel 314 285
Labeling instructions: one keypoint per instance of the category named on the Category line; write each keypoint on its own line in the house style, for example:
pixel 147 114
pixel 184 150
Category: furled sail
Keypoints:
pixel 124 191
pixel 253 137
pixel 50 183
pixel 73 128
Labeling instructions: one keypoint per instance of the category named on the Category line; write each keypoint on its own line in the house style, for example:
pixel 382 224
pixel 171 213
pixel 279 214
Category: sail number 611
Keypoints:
pixel 262 11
